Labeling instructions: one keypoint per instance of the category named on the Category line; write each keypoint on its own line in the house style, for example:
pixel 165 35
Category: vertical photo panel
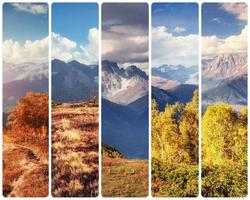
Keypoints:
pixel 175 100
pixel 25 100
pixel 75 115
pixel 224 99
pixel 125 99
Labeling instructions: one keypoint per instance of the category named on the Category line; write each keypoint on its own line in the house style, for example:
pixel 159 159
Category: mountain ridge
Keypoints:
pixel 73 81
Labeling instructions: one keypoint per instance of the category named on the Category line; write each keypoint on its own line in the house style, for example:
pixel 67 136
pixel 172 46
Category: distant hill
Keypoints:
pixel 232 91
pixel 182 93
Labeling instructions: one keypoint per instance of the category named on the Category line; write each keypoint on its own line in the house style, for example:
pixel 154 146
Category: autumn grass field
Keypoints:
pixel 25 165
pixel 123 177
pixel 74 150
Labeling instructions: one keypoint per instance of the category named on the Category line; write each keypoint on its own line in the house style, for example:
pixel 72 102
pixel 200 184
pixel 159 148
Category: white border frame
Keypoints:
pixel 100 117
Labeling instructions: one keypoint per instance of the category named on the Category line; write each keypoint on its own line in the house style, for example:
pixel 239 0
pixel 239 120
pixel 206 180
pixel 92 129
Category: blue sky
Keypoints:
pixel 175 34
pixel 73 20
pixel 21 26
pixel 172 15
pixel 217 21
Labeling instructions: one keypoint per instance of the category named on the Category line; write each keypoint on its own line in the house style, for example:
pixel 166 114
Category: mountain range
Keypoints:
pixel 73 81
pixel 179 73
pixel 125 109
pixel 224 79
pixel 173 83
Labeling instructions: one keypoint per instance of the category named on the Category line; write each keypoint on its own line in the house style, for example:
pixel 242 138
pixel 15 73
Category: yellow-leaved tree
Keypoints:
pixel 189 128
pixel 224 135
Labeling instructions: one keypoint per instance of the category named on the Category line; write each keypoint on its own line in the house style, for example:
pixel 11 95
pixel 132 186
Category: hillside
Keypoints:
pixel 132 138
pixel 75 150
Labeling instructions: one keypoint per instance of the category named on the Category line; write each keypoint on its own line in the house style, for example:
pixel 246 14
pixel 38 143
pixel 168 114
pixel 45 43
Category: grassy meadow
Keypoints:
pixel 75 150
pixel 123 177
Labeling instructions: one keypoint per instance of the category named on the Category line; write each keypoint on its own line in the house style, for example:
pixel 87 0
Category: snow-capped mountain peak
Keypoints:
pixel 123 86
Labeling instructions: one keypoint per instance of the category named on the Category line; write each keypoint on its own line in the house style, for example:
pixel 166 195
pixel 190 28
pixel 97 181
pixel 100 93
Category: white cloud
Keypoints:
pixel 238 9
pixel 31 51
pixel 66 49
pixel 125 44
pixel 178 29
pixel 212 45
pixel 169 49
pixel 62 47
pixel 33 8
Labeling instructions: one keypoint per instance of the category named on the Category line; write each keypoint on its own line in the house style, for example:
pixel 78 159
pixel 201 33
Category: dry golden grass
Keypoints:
pixel 25 165
pixel 124 177
pixel 74 151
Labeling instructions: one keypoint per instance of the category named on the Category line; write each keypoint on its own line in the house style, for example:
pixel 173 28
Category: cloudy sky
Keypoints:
pixel 224 28
pixel 125 33
pixel 174 34
pixel 25 32
pixel 75 32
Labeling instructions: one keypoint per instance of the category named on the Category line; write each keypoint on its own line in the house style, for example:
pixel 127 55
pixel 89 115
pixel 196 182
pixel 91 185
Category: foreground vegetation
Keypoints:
pixel 123 177
pixel 25 148
pixel 75 150
pixel 175 149
pixel 224 152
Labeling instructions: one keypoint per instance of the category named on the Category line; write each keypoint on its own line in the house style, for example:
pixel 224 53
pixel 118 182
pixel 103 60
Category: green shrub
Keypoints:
pixel 224 181
pixel 178 180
